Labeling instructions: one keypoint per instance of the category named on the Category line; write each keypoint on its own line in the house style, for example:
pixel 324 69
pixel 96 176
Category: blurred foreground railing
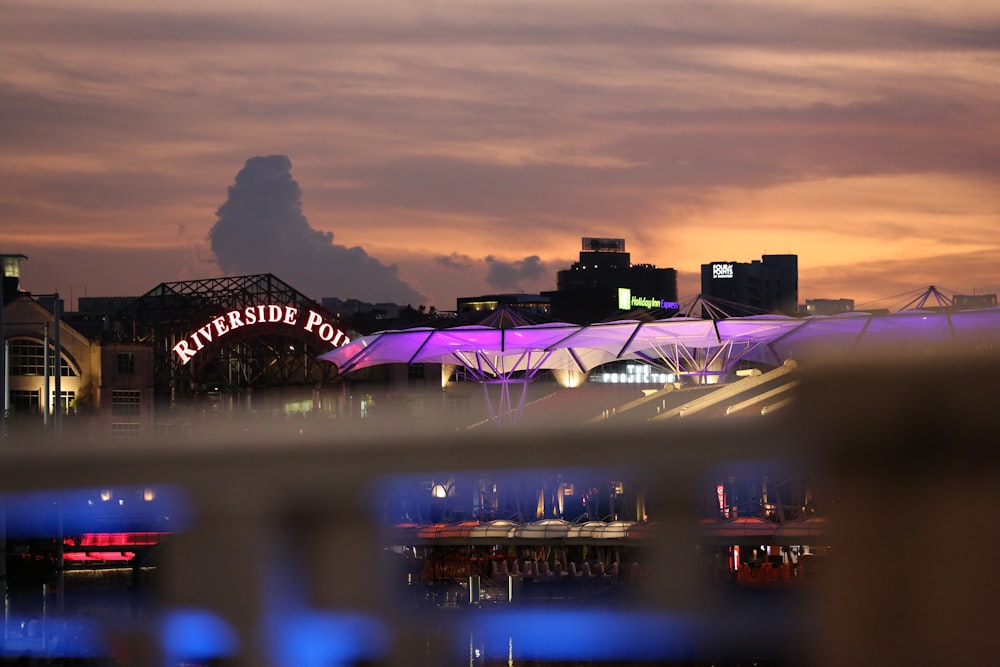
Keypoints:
pixel 280 559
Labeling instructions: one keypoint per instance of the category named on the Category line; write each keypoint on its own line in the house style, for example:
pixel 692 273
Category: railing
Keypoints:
pixel 280 561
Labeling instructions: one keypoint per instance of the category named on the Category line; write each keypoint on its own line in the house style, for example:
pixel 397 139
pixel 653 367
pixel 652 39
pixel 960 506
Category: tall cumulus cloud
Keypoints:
pixel 261 229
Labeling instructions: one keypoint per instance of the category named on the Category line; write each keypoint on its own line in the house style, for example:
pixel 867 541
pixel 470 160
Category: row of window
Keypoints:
pixel 29 401
pixel 27 358
pixel 124 403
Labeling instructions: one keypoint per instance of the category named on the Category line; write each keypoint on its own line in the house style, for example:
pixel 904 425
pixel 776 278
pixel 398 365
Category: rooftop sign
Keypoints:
pixel 252 316
pixel 722 270
pixel 628 301
pixel 603 245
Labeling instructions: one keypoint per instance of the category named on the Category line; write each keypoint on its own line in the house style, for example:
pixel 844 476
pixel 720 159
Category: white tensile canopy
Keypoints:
pixel 503 357
pixel 511 356
pixel 681 345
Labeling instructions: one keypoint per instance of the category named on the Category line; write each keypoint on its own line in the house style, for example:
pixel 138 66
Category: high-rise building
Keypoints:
pixel 605 282
pixel 767 285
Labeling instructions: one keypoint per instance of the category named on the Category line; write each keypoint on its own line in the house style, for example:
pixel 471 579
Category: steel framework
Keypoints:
pixel 267 355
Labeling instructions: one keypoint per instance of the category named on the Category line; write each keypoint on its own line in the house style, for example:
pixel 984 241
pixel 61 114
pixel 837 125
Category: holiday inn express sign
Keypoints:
pixel 254 316
pixel 627 301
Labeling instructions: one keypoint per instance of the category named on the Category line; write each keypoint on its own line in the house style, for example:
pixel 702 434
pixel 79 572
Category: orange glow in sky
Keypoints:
pixel 449 148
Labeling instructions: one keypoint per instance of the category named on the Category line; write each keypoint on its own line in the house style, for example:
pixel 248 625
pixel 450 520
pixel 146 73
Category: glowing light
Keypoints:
pixel 314 639
pixel 553 635
pixel 722 271
pixel 197 634
pixel 93 510
pixel 271 314
pixel 569 378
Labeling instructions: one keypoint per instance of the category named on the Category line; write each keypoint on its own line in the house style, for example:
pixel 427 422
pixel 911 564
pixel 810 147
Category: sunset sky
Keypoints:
pixel 419 151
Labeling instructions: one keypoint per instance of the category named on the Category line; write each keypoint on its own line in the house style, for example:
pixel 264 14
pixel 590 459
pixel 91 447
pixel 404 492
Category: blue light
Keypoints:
pixel 197 634
pixel 326 639
pixel 584 634
pixel 77 511
pixel 54 637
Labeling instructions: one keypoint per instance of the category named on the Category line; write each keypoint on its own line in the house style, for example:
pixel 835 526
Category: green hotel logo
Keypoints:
pixel 624 298
pixel 627 302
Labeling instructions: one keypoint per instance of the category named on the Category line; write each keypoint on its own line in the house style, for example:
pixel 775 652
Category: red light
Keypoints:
pixel 90 556
pixel 113 539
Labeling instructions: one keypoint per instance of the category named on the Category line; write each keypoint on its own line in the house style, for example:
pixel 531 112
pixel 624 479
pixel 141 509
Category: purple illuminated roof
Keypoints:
pixel 904 331
pixel 478 348
pixel 767 339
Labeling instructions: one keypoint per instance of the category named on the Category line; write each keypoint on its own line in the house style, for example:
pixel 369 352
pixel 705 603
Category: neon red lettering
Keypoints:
pixel 220 326
pixel 235 321
pixel 183 351
pixel 312 320
pixel 205 332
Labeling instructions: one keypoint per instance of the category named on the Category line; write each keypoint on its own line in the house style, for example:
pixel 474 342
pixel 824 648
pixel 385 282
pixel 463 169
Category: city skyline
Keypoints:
pixel 416 154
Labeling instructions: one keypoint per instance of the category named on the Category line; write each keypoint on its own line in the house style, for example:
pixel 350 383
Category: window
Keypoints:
pixel 125 403
pixel 25 401
pixel 29 401
pixel 27 357
pixel 68 402
pixel 126 363
pixel 125 430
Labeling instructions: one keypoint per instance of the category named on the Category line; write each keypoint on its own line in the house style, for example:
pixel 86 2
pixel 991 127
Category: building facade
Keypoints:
pixel 535 303
pixel 54 374
pixel 767 285
pixel 605 283
pixel 160 361
pixel 828 306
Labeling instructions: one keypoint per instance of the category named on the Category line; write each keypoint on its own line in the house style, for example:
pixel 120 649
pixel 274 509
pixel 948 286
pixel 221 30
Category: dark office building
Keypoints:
pixel 828 306
pixel 535 303
pixel 767 285
pixel 605 283
pixel 970 301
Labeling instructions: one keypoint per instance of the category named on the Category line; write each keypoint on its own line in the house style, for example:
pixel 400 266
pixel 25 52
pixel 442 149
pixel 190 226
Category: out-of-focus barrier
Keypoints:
pixel 281 560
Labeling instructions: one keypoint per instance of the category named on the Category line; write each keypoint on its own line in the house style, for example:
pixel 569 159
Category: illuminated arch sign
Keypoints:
pixel 217 328
pixel 628 301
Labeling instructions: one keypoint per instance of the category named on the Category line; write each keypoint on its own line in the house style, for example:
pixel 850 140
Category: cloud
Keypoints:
pixel 513 275
pixel 891 282
pixel 529 274
pixel 261 229
pixel 460 130
pixel 454 261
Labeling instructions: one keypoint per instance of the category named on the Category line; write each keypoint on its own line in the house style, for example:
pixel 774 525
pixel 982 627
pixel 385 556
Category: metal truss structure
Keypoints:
pixel 266 355
pixel 705 350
